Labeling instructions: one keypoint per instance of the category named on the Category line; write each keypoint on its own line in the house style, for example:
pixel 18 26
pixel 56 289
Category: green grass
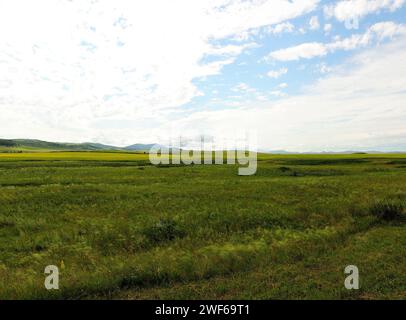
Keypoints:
pixel 119 227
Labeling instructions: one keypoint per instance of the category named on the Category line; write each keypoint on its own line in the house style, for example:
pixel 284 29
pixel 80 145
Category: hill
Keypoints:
pixel 139 147
pixel 33 145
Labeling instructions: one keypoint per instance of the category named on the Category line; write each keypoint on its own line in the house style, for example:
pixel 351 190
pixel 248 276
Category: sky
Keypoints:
pixel 304 75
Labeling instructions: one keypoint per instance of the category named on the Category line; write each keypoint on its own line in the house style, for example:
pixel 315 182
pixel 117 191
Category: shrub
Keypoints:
pixel 387 210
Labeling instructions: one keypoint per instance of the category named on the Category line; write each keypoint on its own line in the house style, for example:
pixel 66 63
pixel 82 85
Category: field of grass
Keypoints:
pixel 120 228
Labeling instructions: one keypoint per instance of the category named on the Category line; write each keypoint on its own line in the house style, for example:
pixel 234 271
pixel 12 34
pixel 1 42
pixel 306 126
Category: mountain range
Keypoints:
pixel 38 145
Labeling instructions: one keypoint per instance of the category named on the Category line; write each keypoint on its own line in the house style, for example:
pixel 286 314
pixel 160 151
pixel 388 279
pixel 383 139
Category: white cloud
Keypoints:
pixel 350 9
pixel 281 28
pixel 75 68
pixel 277 73
pixel 314 23
pixel 278 93
pixel 327 28
pixel 360 105
pixel 302 30
pixel 350 43
pixel 324 68
pixel 243 87
pixel 378 31
pixel 227 50
pixel 305 51
pixel 388 30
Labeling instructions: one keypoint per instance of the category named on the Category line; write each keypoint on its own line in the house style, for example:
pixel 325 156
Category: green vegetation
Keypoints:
pixel 118 227
pixel 32 145
pixel 19 145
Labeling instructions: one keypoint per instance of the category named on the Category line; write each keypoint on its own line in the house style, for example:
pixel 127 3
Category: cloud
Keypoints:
pixel 69 65
pixel 314 23
pixel 350 9
pixel 278 93
pixel 281 28
pixel 277 73
pixel 305 51
pixel 360 105
pixel 243 87
pixel 324 68
pixel 379 31
pixel 327 28
pixel 390 29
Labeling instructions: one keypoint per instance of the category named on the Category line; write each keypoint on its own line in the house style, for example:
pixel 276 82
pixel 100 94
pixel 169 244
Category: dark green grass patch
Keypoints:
pixel 388 210
pixel 163 231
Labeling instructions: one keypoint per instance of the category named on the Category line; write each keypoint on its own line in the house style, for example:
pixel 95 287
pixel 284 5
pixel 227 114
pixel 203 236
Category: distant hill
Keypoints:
pixel 7 143
pixel 29 144
pixel 139 147
pixel 37 145
pixel 276 151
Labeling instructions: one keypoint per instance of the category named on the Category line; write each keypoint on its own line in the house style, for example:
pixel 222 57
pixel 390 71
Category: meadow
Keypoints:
pixel 120 228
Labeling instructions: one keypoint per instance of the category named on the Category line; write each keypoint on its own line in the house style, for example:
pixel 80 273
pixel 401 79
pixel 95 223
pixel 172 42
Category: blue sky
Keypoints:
pixel 252 67
pixel 304 75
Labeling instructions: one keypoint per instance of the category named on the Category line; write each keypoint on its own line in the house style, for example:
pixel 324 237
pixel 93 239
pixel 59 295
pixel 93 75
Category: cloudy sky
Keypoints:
pixel 307 75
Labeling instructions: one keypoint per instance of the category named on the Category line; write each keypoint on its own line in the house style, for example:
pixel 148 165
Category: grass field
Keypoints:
pixel 120 228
